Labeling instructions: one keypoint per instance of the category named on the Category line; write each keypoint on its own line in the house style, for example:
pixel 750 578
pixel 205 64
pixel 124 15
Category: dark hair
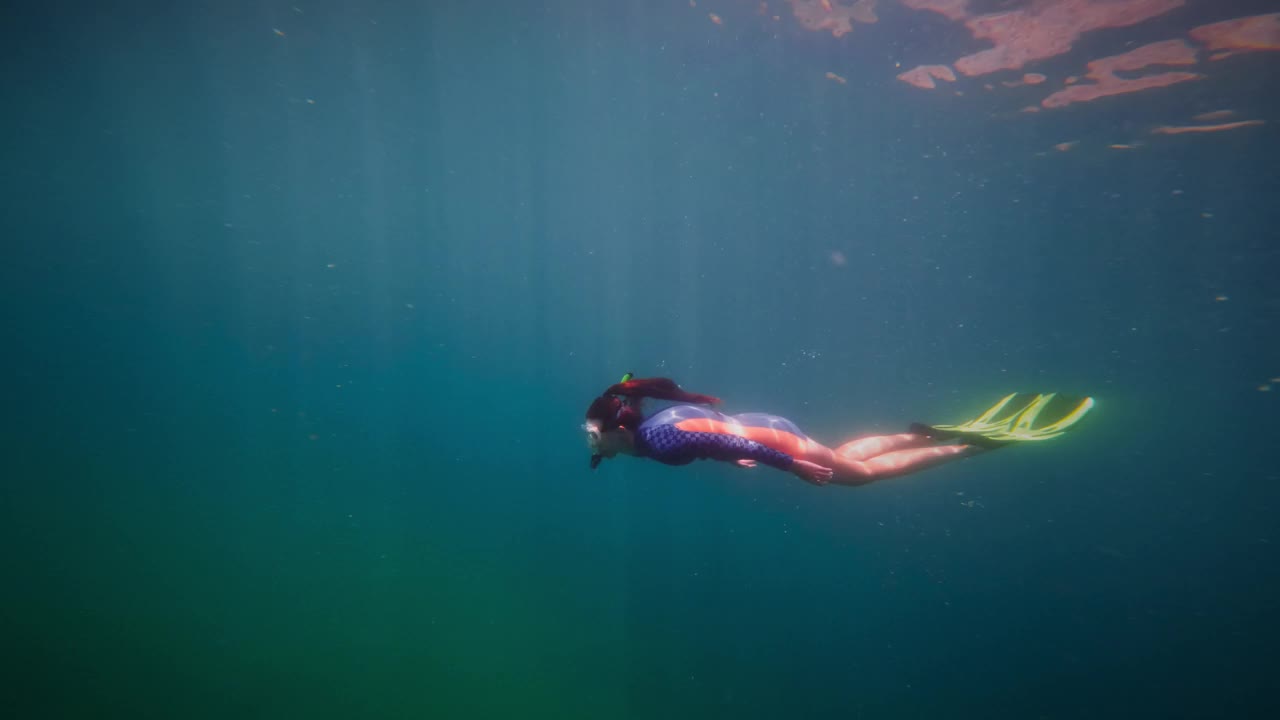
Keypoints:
pixel 619 406
pixel 613 412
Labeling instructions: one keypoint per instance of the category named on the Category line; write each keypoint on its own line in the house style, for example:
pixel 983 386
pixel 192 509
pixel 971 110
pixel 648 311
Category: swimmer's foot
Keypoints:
pixel 932 433
pixel 967 438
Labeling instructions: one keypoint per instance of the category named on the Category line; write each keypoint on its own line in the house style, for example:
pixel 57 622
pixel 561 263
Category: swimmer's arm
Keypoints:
pixel 732 448
pixel 746 453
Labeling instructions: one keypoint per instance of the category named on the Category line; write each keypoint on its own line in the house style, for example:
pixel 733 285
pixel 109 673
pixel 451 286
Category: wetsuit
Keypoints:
pixel 684 433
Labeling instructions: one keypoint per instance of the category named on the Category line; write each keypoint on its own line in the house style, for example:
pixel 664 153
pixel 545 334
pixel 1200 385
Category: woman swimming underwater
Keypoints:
pixel 681 434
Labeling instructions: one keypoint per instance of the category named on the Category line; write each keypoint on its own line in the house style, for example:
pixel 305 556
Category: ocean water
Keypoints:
pixel 304 303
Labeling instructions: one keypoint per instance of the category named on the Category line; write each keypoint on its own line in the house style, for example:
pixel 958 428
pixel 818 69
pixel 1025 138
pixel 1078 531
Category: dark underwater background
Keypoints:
pixel 300 327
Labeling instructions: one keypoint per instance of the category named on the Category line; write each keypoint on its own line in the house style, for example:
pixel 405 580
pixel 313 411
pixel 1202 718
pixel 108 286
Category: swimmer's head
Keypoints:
pixel 611 412
pixel 609 420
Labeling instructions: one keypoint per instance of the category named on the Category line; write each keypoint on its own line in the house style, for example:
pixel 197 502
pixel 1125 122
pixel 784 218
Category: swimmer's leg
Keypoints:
pixel 866 448
pixel 896 463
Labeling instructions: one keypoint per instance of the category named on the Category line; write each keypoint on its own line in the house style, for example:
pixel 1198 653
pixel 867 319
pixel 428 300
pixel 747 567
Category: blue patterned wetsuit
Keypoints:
pixel 662 438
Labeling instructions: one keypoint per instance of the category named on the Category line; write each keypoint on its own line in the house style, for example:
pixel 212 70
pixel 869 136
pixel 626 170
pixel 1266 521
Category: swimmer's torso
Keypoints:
pixel 684 433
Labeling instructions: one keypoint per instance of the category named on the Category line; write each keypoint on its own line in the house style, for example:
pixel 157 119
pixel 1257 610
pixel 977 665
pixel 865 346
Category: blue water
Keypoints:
pixel 300 329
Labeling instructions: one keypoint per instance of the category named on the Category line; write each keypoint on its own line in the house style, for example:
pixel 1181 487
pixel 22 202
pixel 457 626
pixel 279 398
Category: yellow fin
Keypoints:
pixel 1020 424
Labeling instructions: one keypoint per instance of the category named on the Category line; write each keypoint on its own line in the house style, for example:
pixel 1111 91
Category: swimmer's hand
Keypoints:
pixel 811 472
pixel 746 463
